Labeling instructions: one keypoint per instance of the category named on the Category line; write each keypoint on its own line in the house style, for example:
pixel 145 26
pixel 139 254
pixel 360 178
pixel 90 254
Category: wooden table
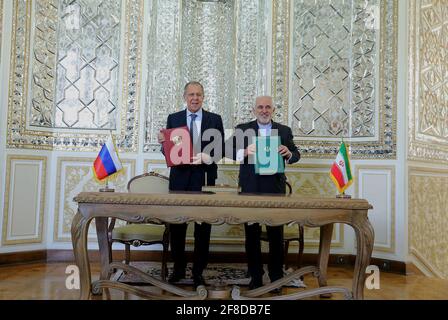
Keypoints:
pixel 218 209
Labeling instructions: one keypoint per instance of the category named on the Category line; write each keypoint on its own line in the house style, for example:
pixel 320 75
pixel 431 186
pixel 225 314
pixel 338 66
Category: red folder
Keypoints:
pixel 177 147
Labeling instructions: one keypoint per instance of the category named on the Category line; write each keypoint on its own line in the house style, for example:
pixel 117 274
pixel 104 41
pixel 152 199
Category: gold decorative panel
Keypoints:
pixel 66 59
pixel 24 200
pixel 428 218
pixel 305 180
pixel 428 91
pixel 75 175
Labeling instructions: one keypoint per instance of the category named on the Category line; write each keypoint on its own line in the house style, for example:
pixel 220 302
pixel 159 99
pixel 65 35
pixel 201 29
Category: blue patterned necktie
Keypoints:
pixel 194 132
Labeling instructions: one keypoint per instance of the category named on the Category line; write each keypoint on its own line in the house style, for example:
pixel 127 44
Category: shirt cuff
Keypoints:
pixel 240 155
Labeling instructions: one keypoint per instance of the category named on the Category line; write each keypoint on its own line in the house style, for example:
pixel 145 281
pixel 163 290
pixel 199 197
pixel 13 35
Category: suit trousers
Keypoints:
pixel 201 233
pixel 253 251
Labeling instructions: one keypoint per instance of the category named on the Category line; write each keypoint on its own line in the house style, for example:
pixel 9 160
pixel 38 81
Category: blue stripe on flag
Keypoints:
pixel 107 160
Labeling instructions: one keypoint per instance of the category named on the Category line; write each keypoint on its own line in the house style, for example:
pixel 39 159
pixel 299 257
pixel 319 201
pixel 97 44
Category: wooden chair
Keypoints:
pixel 136 235
pixel 287 239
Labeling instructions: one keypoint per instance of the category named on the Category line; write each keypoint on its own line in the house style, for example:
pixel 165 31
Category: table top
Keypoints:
pixel 225 199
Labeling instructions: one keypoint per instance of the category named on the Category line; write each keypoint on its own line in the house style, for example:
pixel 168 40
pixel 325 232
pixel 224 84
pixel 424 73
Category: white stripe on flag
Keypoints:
pixel 343 169
pixel 113 154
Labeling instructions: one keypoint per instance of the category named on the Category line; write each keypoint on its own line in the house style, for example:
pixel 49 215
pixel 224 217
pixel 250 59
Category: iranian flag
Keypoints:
pixel 341 173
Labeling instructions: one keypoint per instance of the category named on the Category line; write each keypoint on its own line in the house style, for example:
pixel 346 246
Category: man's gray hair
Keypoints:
pixel 193 83
pixel 264 96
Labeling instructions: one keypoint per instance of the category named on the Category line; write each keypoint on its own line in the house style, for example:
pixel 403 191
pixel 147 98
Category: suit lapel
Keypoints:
pixel 254 125
pixel 183 118
pixel 205 121
pixel 275 127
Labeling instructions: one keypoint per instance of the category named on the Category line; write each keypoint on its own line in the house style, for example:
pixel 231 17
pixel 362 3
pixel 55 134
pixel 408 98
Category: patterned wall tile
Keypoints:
pixel 428 218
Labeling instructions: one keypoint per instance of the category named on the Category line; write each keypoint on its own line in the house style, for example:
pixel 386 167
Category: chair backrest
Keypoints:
pixel 149 183
pixel 288 185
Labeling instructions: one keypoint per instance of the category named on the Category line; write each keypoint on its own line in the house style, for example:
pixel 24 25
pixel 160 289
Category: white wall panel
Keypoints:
pixel 24 200
pixel 377 184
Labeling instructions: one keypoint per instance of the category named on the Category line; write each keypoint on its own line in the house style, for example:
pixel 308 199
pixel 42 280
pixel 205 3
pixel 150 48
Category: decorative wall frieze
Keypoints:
pixel 428 81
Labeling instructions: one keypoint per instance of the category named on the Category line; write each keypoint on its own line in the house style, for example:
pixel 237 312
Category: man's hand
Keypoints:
pixel 250 150
pixel 161 137
pixel 201 158
pixel 284 152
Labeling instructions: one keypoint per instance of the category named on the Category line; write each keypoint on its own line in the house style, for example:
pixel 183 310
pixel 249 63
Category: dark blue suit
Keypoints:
pixel 192 178
pixel 250 182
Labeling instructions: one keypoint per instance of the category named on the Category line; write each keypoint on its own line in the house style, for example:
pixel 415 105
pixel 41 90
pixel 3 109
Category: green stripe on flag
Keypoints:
pixel 346 160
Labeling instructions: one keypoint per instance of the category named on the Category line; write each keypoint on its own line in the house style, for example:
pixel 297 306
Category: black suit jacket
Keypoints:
pixel 253 183
pixel 181 176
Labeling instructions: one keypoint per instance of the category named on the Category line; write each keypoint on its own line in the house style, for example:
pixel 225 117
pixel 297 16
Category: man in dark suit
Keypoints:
pixel 191 177
pixel 250 182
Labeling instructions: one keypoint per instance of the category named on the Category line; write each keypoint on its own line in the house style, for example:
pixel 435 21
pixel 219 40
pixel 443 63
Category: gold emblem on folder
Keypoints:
pixel 177 140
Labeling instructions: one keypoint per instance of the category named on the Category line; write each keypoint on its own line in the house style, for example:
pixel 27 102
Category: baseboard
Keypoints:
pixel 215 257
pixel 23 257
pixel 412 269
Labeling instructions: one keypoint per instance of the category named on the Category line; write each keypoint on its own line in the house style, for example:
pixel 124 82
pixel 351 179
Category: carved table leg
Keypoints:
pixel 364 240
pixel 326 232
pixel 104 248
pixel 80 227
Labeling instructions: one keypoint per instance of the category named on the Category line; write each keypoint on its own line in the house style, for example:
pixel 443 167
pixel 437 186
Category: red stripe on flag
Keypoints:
pixel 337 174
pixel 100 171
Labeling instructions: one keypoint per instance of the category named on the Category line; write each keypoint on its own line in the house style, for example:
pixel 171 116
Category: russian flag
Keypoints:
pixel 107 162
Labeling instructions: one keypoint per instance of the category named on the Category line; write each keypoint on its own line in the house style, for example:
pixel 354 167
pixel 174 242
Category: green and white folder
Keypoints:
pixel 267 159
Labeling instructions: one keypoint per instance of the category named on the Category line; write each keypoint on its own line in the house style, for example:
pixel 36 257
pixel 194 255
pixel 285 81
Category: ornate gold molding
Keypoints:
pixel 9 160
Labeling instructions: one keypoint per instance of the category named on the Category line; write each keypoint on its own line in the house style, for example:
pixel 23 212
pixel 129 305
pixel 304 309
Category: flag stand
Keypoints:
pixel 106 188
pixel 343 196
